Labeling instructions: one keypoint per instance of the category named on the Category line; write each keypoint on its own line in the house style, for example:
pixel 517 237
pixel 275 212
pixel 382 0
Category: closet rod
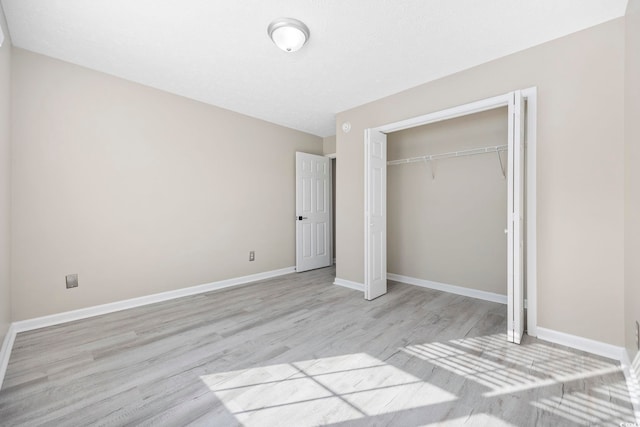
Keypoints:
pixel 472 152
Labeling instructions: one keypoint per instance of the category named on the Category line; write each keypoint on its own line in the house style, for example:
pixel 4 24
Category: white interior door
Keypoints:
pixel 375 281
pixel 313 211
pixel 515 220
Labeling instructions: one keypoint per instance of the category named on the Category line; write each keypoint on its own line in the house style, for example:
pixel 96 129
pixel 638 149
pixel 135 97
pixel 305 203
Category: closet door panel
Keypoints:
pixel 375 214
pixel 515 219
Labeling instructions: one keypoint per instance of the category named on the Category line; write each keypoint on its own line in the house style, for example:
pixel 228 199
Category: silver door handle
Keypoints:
pixel 300 218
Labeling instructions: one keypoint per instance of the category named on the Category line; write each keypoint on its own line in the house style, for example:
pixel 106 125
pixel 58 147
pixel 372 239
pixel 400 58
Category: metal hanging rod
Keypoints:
pixel 472 152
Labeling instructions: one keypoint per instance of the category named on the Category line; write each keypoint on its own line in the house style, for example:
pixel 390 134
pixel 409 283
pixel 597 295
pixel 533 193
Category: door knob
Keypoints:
pixel 300 218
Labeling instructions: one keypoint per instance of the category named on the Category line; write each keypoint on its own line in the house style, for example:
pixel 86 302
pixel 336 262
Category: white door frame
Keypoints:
pixel 530 96
pixel 332 156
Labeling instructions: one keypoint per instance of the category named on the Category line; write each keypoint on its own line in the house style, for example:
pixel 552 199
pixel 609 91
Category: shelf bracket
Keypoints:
pixel 501 164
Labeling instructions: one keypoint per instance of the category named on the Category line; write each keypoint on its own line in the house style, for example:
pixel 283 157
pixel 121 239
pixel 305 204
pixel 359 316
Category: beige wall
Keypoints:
pixel 139 191
pixel 329 145
pixel 5 181
pixel 580 171
pixel 632 176
pixel 449 229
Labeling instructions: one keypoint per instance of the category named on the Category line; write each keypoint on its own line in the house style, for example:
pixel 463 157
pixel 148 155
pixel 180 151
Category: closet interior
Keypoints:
pixel 447 202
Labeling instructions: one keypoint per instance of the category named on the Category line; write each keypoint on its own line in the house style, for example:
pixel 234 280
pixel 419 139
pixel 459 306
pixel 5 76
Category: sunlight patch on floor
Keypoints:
pixel 357 386
pixel 495 376
pixel 599 408
pixel 474 420
pixel 507 368
pixel 321 391
pixel 633 383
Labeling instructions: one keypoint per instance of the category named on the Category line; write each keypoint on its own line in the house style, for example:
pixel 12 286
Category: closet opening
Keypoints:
pixel 445 204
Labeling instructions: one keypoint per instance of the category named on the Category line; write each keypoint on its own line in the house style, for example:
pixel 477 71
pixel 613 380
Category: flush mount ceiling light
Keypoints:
pixel 288 34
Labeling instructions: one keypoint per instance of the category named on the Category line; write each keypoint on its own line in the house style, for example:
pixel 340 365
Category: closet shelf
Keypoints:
pixel 471 152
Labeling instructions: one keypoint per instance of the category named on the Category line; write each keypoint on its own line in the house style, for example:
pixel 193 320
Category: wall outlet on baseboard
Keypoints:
pixel 72 281
pixel 252 255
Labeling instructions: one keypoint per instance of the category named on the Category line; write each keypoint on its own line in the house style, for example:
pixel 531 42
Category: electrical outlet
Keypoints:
pixel 72 280
pixel 252 255
pixel 637 335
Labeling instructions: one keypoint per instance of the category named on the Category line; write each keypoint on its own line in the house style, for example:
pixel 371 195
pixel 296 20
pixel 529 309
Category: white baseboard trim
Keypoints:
pixel 349 284
pixel 458 290
pixel 83 313
pixel 585 344
pixel 5 351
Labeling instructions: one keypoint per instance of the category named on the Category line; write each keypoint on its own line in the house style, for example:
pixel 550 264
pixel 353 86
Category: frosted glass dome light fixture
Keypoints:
pixel 288 34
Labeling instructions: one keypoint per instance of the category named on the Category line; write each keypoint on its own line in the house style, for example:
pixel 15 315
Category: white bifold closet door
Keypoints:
pixel 375 214
pixel 515 220
pixel 313 211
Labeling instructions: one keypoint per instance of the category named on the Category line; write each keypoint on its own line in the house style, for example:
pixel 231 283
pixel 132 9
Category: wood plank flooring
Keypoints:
pixel 298 351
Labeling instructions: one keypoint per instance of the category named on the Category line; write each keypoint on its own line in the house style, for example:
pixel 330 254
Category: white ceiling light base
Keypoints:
pixel 288 34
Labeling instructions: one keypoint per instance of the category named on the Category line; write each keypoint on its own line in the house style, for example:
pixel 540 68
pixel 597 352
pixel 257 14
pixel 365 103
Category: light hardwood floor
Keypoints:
pixel 297 351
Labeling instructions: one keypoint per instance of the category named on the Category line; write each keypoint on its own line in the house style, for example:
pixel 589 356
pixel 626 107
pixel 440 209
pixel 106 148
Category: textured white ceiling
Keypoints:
pixel 218 51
